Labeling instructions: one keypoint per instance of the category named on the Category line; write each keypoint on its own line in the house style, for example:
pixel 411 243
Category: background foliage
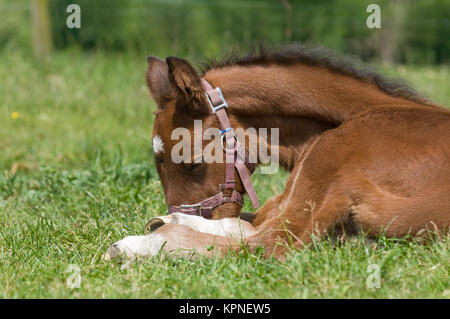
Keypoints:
pixel 413 31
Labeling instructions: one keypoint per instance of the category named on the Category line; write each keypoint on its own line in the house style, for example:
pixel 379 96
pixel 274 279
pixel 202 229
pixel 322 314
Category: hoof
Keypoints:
pixel 157 222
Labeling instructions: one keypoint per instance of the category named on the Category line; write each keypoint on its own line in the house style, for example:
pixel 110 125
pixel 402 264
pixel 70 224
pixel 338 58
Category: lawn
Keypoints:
pixel 76 174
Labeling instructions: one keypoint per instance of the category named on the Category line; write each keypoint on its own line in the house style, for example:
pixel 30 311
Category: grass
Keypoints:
pixel 76 174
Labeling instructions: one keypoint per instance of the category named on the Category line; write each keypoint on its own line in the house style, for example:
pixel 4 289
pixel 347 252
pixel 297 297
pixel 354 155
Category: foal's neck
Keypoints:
pixel 302 101
pixel 298 90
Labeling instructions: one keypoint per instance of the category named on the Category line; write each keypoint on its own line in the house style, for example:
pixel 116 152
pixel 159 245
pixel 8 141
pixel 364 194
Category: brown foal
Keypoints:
pixel 365 154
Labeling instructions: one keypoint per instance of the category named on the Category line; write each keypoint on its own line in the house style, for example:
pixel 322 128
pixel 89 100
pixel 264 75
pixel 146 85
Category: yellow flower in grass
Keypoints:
pixel 15 115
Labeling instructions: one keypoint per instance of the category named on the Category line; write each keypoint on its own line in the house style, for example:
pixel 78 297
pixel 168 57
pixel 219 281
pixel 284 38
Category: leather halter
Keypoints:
pixel 236 157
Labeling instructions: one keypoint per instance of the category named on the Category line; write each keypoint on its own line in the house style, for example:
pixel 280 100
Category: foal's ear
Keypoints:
pixel 188 83
pixel 158 81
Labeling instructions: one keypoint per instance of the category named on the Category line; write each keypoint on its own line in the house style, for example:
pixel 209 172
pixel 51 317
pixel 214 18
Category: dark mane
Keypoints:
pixel 321 57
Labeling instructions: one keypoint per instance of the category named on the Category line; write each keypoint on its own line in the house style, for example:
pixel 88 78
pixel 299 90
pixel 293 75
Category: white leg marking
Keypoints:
pixel 227 227
pixel 132 247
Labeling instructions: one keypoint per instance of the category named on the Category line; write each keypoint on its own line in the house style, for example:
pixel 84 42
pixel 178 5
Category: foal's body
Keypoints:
pixel 363 156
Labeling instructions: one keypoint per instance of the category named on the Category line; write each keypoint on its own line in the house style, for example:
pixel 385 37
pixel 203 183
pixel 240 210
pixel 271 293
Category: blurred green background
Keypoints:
pixel 412 31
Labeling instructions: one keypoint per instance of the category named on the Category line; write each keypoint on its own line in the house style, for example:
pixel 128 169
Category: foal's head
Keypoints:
pixel 178 91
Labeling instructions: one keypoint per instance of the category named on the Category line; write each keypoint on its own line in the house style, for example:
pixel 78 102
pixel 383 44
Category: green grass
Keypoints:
pixel 85 178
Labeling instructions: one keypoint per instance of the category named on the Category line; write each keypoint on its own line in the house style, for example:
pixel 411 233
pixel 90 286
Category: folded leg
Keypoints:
pixel 183 235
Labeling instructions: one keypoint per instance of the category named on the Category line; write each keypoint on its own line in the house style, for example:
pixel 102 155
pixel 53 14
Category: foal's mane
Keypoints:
pixel 320 57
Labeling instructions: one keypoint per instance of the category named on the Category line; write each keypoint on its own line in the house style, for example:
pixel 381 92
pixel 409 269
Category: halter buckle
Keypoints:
pixel 196 206
pixel 220 106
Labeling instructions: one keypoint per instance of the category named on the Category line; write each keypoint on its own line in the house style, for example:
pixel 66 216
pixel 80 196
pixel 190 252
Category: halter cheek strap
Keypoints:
pixel 236 157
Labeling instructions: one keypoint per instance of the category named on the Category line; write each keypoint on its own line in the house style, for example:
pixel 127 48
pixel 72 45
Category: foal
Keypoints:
pixel 365 153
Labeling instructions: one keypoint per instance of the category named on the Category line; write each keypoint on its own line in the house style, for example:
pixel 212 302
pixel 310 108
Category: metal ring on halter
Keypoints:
pixel 223 146
pixel 197 207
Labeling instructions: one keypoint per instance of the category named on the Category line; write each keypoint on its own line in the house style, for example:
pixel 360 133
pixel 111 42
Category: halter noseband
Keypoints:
pixel 236 156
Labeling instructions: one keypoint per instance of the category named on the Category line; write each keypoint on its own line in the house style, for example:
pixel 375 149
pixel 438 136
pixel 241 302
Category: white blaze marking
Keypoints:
pixel 158 145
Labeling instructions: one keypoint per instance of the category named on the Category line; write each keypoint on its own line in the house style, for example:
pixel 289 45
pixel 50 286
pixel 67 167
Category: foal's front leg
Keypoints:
pixel 183 234
pixel 226 227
